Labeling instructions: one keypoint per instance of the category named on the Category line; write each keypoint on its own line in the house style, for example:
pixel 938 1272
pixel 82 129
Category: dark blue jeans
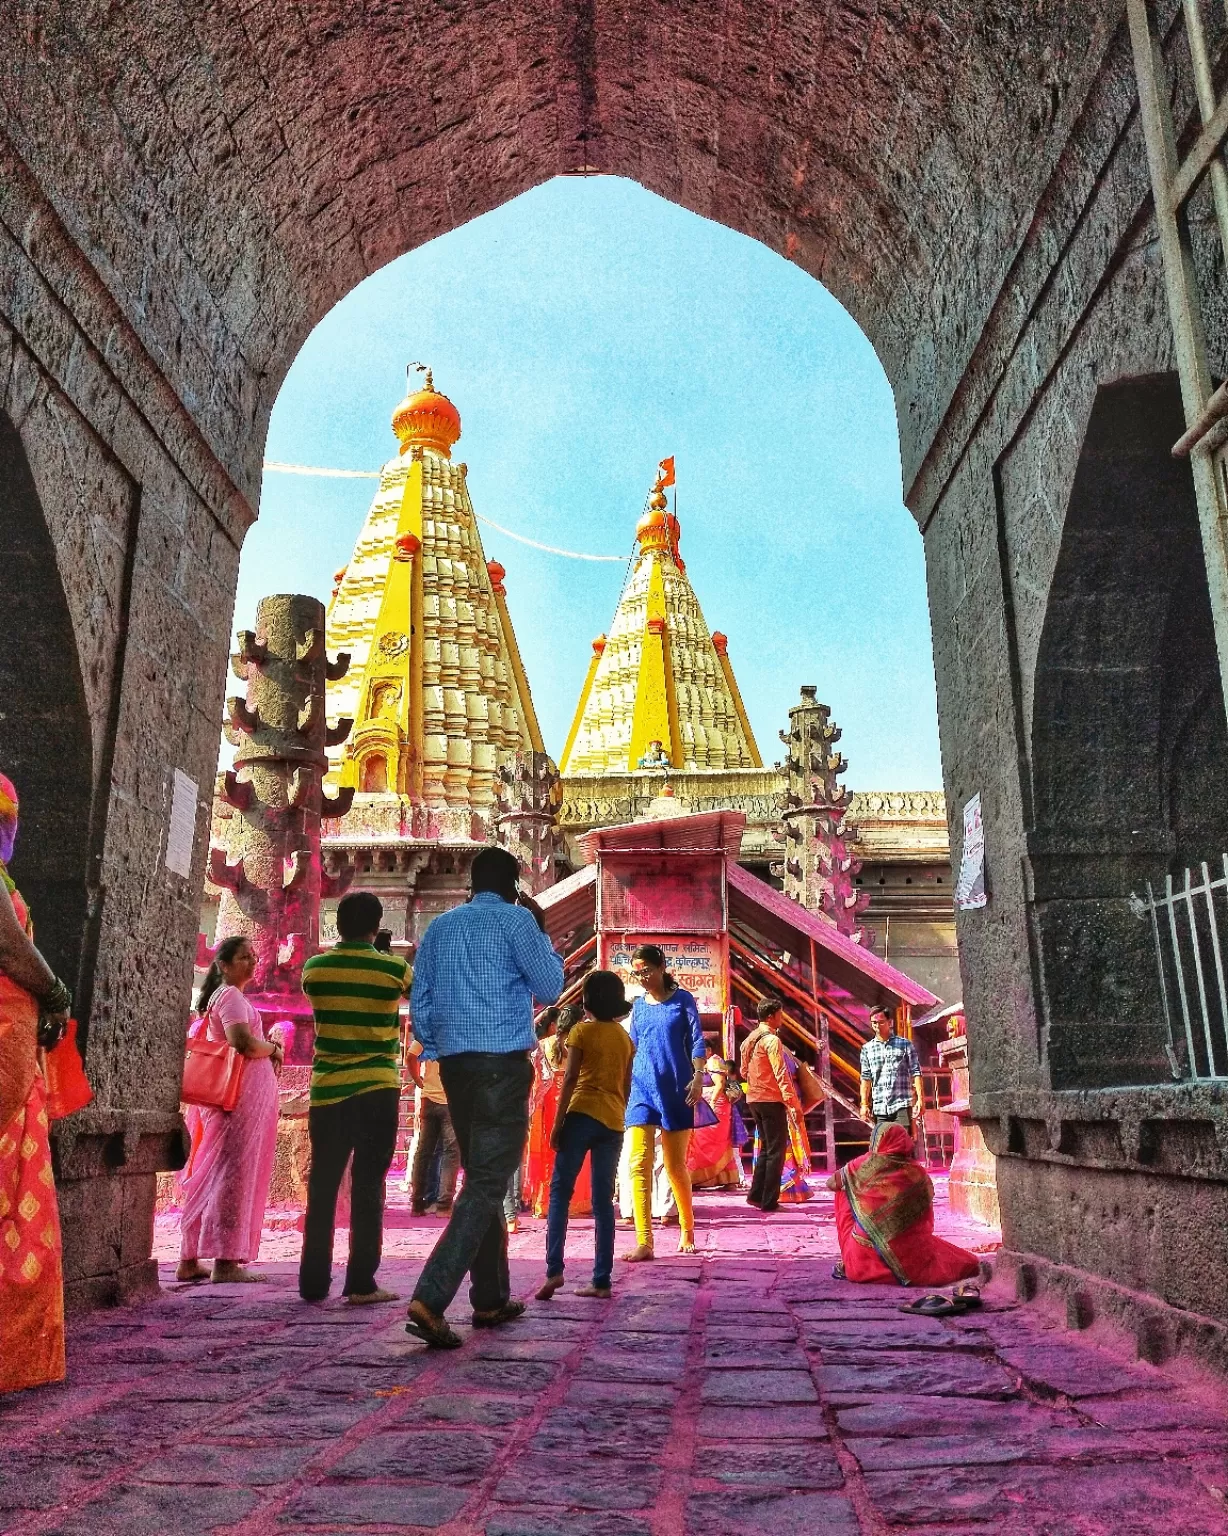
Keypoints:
pixel 580 1137
pixel 488 1098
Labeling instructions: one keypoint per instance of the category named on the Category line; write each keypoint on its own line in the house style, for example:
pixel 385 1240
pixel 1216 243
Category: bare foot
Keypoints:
pixel 552 1283
pixel 370 1298
pixel 191 1269
pixel 602 1292
pixel 687 1245
pixel 639 1255
pixel 513 1227
pixel 231 1272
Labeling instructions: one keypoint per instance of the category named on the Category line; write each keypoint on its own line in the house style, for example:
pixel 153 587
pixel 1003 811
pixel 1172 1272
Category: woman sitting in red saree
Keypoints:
pixel 885 1220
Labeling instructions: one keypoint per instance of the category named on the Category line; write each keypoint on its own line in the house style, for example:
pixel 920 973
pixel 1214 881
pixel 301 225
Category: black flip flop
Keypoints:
pixel 436 1333
pixel 932 1306
pixel 968 1297
pixel 507 1313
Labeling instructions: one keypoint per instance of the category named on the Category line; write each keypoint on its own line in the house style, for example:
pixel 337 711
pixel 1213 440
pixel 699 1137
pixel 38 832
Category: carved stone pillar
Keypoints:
pixel 529 794
pixel 269 868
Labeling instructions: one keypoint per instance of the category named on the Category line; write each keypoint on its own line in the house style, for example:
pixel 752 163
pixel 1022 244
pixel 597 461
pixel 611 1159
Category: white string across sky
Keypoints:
pixel 373 474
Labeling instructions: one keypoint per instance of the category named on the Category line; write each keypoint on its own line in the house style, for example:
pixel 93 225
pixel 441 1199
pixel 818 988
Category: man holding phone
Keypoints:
pixel 478 971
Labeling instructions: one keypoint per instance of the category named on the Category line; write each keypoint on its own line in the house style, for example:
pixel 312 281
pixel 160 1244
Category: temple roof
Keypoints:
pixel 660 691
pixel 436 686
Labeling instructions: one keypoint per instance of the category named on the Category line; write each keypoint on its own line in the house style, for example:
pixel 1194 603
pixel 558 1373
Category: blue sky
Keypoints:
pixel 585 331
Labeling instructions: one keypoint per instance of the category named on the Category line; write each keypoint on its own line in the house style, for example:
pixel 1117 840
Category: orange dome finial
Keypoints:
pixel 426 419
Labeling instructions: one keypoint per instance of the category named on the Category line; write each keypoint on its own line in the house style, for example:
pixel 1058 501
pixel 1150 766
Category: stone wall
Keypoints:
pixel 142 535
pixel 184 192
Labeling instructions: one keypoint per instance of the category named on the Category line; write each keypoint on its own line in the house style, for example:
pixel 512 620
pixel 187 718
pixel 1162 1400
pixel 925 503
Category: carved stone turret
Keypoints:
pixel 819 867
pixel 524 821
pixel 268 868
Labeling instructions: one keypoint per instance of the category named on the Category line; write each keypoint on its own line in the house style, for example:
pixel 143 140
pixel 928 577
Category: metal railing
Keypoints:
pixel 1189 924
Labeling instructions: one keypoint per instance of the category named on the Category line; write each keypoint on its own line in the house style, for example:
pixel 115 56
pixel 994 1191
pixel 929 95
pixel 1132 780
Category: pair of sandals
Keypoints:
pixel 964 1298
pixel 437 1333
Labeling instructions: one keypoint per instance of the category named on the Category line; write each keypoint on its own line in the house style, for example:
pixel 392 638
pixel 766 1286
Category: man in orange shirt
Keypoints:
pixel 770 1093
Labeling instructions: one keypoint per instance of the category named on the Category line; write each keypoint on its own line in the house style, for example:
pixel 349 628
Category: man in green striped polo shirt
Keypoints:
pixel 355 991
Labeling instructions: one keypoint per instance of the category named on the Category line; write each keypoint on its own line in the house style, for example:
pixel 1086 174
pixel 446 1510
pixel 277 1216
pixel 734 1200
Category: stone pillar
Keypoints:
pixel 529 793
pixel 819 868
pixel 973 1185
pixel 269 868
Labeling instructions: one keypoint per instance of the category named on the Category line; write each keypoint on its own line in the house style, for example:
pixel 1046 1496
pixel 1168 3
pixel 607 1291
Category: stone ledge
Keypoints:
pixel 1159 1332
pixel 1177 1130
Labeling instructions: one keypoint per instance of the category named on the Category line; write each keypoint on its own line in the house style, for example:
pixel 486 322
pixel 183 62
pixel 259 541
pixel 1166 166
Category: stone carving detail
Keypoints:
pixel 267 863
pixel 819 867
pixel 525 817
pixel 898 805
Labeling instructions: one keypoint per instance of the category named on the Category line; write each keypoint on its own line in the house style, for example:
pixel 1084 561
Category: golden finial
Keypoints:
pixel 419 368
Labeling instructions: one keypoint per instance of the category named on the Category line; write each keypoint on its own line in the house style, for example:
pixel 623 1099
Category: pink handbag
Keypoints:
pixel 212 1073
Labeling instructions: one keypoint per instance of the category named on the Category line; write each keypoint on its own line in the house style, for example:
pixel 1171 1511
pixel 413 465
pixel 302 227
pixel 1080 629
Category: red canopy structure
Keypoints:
pixel 731 939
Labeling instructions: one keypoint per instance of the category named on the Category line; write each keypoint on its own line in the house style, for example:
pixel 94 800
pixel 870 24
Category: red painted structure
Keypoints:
pixel 731 939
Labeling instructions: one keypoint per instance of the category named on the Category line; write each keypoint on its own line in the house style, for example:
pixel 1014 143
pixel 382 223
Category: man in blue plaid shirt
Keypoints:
pixel 479 968
pixel 891 1086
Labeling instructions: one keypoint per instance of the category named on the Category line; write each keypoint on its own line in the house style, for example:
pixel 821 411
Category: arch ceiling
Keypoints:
pixel 232 169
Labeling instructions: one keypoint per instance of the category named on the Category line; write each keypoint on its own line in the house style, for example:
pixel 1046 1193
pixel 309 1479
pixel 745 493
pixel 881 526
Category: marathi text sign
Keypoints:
pixel 970 887
pixel 698 964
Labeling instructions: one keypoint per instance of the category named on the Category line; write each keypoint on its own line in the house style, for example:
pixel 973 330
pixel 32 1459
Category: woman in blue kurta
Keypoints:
pixel 667 1077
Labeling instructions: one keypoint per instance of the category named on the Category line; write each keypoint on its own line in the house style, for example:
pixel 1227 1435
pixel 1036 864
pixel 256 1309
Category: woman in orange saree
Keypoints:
pixel 549 1069
pixel 712 1154
pixel 31 1278
pixel 885 1220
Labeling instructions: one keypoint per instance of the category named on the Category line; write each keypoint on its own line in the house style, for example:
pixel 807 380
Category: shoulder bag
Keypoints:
pixel 212 1072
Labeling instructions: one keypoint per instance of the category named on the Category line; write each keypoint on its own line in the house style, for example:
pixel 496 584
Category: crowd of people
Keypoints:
pixel 602 1105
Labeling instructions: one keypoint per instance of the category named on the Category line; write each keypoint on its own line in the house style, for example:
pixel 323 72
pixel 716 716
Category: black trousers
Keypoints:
pixel 488 1097
pixel 772 1121
pixel 366 1127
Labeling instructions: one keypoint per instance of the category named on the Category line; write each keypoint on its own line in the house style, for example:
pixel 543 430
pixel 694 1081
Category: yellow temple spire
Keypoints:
pixel 436 686
pixel 660 692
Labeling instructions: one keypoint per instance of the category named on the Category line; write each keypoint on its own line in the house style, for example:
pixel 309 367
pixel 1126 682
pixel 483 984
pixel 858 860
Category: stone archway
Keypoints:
pixel 184 193
pixel 45 741
pixel 1129 741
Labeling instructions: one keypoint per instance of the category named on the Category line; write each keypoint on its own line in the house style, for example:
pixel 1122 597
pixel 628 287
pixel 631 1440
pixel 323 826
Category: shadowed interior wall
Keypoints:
pixel 1129 743
pixel 45 745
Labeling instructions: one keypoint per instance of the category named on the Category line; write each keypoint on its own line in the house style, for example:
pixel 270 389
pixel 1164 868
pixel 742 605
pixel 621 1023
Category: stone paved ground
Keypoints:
pixel 745 1390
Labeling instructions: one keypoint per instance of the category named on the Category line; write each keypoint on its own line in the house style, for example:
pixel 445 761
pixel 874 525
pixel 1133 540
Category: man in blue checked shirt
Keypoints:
pixel 891 1085
pixel 479 968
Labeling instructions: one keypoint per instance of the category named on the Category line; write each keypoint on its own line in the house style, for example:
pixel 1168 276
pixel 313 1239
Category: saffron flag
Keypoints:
pixel 666 477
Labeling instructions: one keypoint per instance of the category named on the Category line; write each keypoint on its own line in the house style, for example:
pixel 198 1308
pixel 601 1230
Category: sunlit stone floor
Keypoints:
pixel 744 1390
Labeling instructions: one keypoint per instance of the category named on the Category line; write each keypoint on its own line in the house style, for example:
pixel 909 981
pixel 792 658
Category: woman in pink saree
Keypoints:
pixel 226 1182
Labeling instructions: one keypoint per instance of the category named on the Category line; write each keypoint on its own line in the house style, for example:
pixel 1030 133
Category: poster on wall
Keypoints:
pixel 698 964
pixel 970 887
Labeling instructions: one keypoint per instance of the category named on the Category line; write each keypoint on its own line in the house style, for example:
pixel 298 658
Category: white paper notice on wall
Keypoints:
pixel 970 887
pixel 182 832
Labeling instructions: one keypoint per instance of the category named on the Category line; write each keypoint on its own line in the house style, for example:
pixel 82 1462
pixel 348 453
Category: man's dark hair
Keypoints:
pixel 766 1007
pixel 359 914
pixel 497 870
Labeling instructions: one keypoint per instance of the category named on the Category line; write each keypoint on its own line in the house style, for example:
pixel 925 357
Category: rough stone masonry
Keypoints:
pixel 186 188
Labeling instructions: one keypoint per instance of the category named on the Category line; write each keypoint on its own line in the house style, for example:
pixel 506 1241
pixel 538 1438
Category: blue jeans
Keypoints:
pixel 580 1137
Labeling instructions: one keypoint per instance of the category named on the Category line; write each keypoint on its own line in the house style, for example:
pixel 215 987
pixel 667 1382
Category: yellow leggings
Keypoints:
pixel 674 1146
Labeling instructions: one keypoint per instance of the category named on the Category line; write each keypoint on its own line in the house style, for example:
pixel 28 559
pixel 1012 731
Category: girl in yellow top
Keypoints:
pixel 589 1123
